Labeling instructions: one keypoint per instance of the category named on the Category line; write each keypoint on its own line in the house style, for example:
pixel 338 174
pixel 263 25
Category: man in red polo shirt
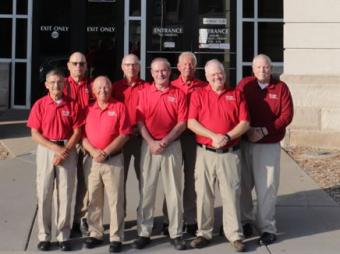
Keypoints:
pixel 271 110
pixel 219 116
pixel 55 125
pixel 127 91
pixel 107 129
pixel 187 82
pixel 161 114
pixel 78 87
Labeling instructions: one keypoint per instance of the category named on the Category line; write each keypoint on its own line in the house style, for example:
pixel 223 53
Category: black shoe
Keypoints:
pixel 178 243
pixel 247 230
pixel 92 242
pixel 65 246
pixel 199 242
pixel 165 229
pixel 44 245
pixel 191 229
pixel 141 242
pixel 221 231
pixel 115 246
pixel 75 231
pixel 267 238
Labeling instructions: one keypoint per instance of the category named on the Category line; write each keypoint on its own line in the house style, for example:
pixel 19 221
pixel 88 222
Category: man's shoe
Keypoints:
pixel 84 227
pixel 221 231
pixel 199 242
pixel 44 245
pixel 75 231
pixel 247 230
pixel 141 242
pixel 267 238
pixel 178 243
pixel 191 229
pixel 65 246
pixel 92 242
pixel 115 246
pixel 238 246
pixel 165 229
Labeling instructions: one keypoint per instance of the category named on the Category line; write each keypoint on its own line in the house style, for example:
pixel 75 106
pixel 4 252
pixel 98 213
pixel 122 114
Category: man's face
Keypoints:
pixel 216 77
pixel 262 70
pixel 130 67
pixel 160 73
pixel 102 89
pixel 187 67
pixel 77 65
pixel 55 85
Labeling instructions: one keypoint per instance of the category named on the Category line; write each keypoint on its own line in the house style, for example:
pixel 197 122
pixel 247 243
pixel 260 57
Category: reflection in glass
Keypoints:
pixel 21 38
pixel 6 38
pixel 134 38
pixel 271 40
pixel 248 41
pixel 135 8
pixel 20 84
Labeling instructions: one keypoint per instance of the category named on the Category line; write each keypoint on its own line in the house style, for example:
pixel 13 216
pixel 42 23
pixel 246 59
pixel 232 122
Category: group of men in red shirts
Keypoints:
pixel 191 133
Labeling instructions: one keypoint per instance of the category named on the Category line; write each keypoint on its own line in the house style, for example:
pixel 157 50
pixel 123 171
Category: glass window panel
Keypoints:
pixel 21 38
pixel 134 38
pixel 247 71
pixel 6 6
pixel 5 79
pixel 271 40
pixel 20 84
pixel 270 9
pixel 135 8
pixel 277 71
pixel 248 8
pixel 248 41
pixel 6 38
pixel 22 6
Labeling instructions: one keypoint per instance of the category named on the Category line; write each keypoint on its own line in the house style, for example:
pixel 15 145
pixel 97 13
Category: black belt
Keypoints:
pixel 220 150
pixel 59 142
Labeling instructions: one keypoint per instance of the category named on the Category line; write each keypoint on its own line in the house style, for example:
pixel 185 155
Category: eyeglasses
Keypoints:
pixel 81 64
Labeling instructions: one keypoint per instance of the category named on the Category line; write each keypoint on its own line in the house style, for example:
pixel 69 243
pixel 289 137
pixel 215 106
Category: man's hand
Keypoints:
pixel 219 141
pixel 157 147
pixel 99 155
pixel 256 133
pixel 61 151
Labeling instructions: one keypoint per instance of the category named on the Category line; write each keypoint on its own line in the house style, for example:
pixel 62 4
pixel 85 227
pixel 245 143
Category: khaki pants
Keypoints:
pixel 82 195
pixel 188 145
pixel 131 148
pixel 108 176
pixel 225 169
pixel 61 180
pixel 169 165
pixel 260 169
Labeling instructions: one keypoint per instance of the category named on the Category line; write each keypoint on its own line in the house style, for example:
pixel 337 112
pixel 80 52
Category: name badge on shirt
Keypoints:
pixel 111 113
pixel 171 99
pixel 273 96
pixel 65 113
pixel 229 97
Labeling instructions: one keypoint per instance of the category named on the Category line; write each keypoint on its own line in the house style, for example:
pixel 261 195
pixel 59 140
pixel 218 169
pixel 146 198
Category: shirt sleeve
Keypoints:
pixel 124 123
pixel 35 118
pixel 182 107
pixel 194 106
pixel 243 107
pixel 140 114
pixel 286 113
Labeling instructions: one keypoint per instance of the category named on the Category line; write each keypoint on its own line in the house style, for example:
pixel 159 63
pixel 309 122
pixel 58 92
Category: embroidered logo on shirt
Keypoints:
pixel 65 113
pixel 273 96
pixel 171 99
pixel 111 113
pixel 229 97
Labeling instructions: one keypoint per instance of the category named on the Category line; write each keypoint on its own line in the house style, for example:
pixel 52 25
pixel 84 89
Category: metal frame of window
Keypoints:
pixel 239 48
pixel 13 60
pixel 142 20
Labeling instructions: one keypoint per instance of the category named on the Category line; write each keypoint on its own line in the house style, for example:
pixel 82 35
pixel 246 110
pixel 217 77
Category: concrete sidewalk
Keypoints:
pixel 308 219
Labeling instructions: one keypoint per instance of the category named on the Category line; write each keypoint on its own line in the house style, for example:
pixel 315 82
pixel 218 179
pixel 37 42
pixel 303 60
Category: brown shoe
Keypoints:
pixel 199 242
pixel 238 246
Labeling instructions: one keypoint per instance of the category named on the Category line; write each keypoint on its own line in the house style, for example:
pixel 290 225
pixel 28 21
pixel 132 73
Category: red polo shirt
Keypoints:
pixel 80 92
pixel 102 126
pixel 129 96
pixel 219 113
pixel 55 121
pixel 271 107
pixel 160 111
pixel 190 86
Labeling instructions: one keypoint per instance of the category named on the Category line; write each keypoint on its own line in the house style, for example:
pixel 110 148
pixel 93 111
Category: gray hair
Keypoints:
pixel 188 53
pixel 161 59
pixel 54 72
pixel 216 62
pixel 131 55
pixel 263 56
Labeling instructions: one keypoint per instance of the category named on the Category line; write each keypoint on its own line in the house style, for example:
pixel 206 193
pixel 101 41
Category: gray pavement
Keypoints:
pixel 308 219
